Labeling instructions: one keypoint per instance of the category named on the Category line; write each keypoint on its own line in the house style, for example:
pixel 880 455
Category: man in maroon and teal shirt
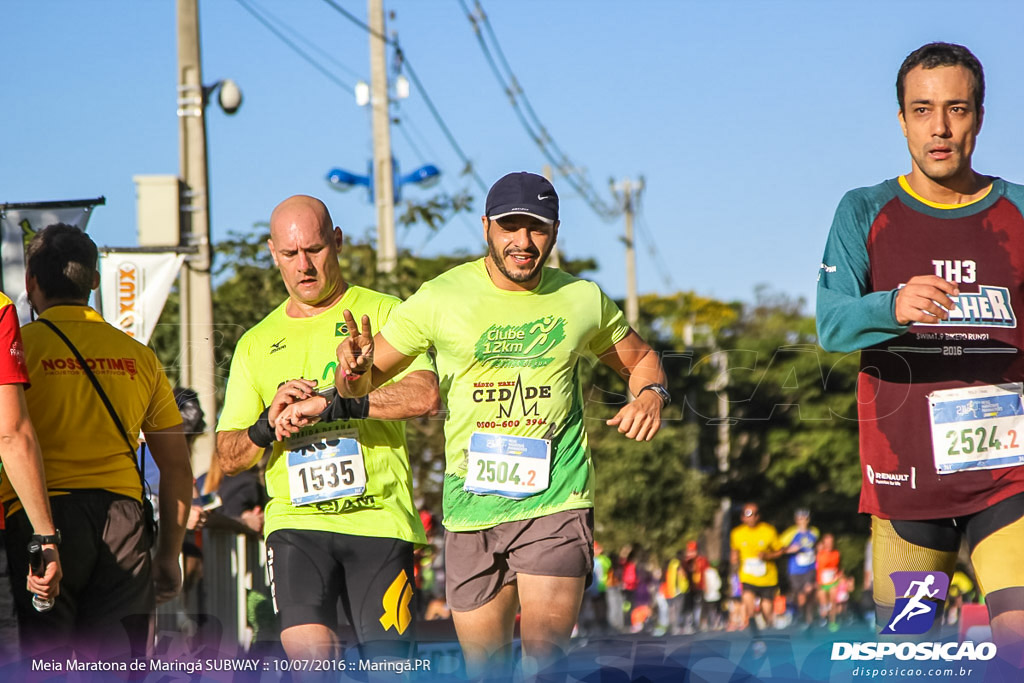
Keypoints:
pixel 925 274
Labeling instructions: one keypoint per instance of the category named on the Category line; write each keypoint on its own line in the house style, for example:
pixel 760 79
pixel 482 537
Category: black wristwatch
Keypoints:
pixel 47 539
pixel 660 390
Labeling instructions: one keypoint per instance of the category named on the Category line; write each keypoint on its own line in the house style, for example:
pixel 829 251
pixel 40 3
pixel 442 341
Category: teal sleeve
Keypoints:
pixel 1014 194
pixel 849 315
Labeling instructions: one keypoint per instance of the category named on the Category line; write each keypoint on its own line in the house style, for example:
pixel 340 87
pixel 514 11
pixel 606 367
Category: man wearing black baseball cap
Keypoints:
pixel 519 489
pixel 516 202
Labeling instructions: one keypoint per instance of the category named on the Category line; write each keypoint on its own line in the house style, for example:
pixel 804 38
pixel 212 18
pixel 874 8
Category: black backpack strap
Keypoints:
pixel 103 396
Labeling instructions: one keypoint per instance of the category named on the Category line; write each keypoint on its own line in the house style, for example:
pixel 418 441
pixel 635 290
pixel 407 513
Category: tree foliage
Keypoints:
pixel 792 430
pixel 648 493
pixel 796 431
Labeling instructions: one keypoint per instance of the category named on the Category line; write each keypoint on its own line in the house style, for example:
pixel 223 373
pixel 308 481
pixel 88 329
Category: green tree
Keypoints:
pixel 647 493
pixel 660 493
pixel 792 431
pixel 795 440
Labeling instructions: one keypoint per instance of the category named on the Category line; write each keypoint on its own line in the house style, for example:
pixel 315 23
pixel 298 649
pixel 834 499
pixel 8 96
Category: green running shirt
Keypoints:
pixel 281 348
pixel 508 363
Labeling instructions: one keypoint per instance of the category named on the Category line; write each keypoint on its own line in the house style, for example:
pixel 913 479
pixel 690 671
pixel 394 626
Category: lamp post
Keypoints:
pixel 197 357
pixel 342 180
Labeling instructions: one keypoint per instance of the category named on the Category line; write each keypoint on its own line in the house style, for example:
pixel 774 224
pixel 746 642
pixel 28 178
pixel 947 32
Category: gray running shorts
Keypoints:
pixel 478 564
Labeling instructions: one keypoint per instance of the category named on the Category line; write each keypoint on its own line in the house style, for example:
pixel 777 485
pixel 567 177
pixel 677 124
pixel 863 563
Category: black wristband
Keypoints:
pixel 48 539
pixel 346 409
pixel 261 432
pixel 336 410
pixel 359 408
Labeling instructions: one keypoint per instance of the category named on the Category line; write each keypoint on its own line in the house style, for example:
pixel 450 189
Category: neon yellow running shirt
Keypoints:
pixel 508 364
pixel 280 348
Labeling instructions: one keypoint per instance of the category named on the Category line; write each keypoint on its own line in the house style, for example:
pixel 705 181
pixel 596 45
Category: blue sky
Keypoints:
pixel 749 120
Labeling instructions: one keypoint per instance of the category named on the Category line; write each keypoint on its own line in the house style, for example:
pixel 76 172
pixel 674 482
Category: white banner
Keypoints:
pixel 134 289
pixel 18 224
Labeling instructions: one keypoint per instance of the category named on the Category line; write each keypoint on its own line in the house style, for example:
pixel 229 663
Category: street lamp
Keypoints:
pixel 425 176
pixel 229 96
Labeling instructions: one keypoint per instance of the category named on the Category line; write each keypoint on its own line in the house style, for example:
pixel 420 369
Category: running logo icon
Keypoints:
pixel 396 604
pixel 914 612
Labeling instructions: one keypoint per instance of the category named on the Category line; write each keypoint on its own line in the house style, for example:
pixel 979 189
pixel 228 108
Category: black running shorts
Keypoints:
pixel 317 577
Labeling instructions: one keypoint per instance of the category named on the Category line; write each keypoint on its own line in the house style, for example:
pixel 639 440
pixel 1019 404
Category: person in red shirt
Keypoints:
pixel 829 575
pixel 19 450
pixel 695 565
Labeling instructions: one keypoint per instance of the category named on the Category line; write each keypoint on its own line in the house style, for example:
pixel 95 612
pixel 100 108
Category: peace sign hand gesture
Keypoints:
pixel 355 358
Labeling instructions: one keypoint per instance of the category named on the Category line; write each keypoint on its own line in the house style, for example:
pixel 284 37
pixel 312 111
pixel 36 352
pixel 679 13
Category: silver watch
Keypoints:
pixel 660 390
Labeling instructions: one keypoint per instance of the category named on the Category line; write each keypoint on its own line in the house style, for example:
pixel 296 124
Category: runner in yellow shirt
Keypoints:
pixel 755 545
pixel 510 336
pixel 341 525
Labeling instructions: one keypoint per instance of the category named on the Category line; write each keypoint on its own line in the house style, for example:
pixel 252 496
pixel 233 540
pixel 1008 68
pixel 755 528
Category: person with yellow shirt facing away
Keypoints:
pixel 676 585
pixel 93 389
pixel 754 546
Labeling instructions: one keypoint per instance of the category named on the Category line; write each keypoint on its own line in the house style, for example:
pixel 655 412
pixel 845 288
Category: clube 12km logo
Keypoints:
pixel 918 596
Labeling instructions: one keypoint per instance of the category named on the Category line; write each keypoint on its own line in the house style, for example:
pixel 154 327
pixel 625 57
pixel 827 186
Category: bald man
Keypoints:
pixel 341 524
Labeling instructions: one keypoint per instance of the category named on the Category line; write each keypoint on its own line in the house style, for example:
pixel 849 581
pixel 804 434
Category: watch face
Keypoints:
pixel 660 391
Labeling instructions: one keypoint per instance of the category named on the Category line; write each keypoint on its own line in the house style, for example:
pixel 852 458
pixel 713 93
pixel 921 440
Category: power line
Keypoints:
pixel 434 233
pixel 322 52
pixel 290 43
pixel 319 67
pixel 409 126
pixel 528 116
pixel 358 22
pixel 468 167
pixel 514 83
pixel 409 141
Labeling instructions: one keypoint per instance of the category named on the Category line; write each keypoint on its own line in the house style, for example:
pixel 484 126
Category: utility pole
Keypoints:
pixel 553 260
pixel 627 192
pixel 196 359
pixel 718 543
pixel 383 173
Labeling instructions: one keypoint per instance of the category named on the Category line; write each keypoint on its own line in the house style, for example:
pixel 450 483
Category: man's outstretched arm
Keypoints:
pixel 634 360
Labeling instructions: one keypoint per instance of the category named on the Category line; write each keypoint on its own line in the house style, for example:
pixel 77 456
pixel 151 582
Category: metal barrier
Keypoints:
pixel 234 561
